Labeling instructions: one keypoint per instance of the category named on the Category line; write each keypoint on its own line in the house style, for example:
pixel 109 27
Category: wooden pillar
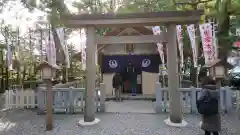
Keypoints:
pixel 173 79
pixel 49 120
pixel 89 113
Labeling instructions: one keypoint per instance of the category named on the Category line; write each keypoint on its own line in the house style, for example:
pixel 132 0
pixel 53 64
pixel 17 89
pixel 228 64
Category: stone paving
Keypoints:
pixel 22 122
pixel 130 106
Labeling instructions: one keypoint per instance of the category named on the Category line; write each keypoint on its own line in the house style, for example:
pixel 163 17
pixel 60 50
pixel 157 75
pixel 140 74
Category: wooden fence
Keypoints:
pixel 72 100
pixel 20 99
pixel 65 100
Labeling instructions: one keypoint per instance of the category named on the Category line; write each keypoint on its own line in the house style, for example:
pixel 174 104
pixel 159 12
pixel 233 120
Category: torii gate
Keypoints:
pixel 168 18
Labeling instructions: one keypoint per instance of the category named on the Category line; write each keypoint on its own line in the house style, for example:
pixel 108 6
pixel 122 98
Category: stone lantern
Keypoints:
pixel 217 69
pixel 48 72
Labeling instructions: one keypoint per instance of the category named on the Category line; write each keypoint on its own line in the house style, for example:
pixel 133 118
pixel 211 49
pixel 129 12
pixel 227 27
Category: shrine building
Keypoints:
pixel 143 57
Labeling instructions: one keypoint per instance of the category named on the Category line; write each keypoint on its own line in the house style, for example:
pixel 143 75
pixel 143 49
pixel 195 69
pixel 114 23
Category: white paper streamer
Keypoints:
pixel 192 37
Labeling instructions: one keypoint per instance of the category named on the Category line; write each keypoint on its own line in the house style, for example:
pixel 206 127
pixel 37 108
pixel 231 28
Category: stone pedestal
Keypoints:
pixel 170 123
pixel 84 124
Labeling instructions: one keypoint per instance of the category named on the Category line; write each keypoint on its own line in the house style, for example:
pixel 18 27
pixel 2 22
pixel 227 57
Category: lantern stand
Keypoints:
pixel 48 72
pixel 217 70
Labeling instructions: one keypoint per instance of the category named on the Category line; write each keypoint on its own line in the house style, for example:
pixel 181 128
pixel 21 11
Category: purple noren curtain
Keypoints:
pixel 117 63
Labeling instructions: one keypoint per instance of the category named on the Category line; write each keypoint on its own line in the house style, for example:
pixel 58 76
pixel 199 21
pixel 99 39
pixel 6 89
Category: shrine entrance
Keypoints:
pixel 169 19
pixel 115 58
pixel 131 83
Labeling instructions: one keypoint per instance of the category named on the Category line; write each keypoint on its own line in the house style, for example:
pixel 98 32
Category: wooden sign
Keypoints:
pixel 129 48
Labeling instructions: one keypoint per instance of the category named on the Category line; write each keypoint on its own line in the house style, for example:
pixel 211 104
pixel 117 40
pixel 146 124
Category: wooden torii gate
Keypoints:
pixel 168 18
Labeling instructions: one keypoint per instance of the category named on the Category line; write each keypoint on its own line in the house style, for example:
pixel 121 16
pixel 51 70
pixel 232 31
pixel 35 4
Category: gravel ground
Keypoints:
pixel 22 122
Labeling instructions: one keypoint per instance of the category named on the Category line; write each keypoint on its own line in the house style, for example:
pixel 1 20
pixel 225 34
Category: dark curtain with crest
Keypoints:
pixel 118 63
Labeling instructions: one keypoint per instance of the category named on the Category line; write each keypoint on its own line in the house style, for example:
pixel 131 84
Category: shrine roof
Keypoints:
pixel 115 32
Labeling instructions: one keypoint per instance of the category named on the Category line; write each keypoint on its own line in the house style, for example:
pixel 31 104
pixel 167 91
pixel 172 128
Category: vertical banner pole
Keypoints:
pixel 41 49
pixel 157 31
pixel 180 47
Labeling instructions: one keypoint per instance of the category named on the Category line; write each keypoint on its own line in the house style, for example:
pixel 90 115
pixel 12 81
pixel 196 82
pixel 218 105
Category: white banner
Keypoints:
pixel 9 56
pixel 207 42
pixel 60 33
pixel 192 37
pixel 83 47
pixel 180 44
pixel 157 31
pixel 50 49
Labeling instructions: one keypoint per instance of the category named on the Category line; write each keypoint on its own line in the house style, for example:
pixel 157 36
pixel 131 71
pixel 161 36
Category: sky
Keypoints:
pixel 16 15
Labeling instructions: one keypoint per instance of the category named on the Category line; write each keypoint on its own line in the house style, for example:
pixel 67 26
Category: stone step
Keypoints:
pixel 130 106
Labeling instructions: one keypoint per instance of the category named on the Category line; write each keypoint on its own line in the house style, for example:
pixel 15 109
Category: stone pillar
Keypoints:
pixel 102 97
pixel 173 79
pixel 89 113
pixel 2 101
pixel 158 98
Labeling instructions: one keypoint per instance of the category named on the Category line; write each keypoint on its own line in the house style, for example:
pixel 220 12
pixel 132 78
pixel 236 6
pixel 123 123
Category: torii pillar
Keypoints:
pixel 89 111
pixel 175 118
